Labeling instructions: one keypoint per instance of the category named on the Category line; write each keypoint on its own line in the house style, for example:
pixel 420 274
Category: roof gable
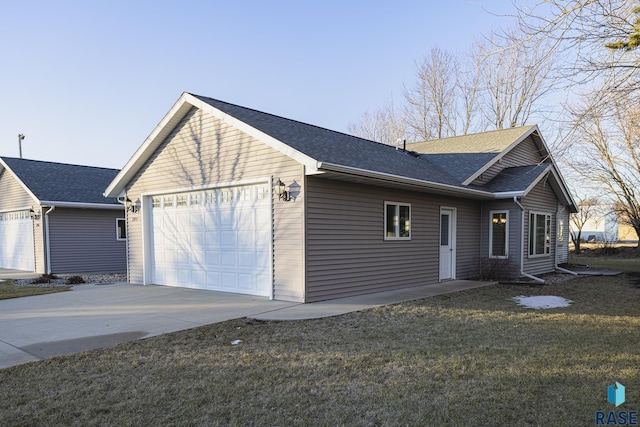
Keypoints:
pixel 447 166
pixel 49 182
pixel 318 149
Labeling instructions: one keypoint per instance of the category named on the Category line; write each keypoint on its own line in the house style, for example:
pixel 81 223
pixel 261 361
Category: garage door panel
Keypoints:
pixel 229 281
pixel 247 282
pixel 212 259
pixel 247 259
pixel 199 279
pixel 228 259
pixel 228 239
pixel 213 280
pixel 222 242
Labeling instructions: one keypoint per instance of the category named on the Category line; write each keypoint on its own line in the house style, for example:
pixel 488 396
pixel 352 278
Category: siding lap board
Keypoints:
pixel 346 251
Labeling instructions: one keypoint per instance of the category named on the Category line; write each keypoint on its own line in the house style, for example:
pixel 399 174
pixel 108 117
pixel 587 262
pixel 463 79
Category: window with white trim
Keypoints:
pixel 561 231
pixel 539 234
pixel 499 234
pixel 397 221
pixel 121 229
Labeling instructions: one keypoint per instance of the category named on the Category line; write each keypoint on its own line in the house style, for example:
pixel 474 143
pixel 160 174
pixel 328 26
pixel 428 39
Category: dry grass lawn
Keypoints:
pixel 469 358
pixel 9 290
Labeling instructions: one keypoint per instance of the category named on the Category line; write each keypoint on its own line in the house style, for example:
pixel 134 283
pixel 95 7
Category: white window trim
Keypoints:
pixel 532 236
pixel 560 225
pixel 118 238
pixel 506 234
pixel 397 226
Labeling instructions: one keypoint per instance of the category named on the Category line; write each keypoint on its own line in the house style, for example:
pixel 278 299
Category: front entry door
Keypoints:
pixel 447 243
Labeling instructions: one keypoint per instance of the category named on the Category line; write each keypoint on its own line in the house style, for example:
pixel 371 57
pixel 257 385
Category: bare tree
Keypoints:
pixel 431 101
pixel 385 125
pixel 515 78
pixel 588 210
pixel 591 38
pixel 607 152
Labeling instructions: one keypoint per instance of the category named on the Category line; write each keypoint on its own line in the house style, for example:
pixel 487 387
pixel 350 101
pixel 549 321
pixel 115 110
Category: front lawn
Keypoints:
pixel 469 358
pixel 9 290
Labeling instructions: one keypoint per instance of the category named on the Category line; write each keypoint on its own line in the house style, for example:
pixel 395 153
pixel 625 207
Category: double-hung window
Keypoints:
pixel 539 234
pixel 397 221
pixel 499 234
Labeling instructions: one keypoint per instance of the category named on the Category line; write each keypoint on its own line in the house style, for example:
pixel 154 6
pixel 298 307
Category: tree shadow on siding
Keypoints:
pixel 203 153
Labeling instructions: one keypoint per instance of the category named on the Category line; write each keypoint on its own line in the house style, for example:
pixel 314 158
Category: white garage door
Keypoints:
pixel 215 239
pixel 16 241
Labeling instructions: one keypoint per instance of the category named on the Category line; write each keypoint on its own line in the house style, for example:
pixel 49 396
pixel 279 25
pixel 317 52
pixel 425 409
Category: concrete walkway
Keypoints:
pixel 95 316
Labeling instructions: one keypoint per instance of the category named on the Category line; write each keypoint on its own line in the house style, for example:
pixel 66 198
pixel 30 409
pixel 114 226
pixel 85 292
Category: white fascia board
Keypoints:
pixel 565 190
pixel 535 182
pixel 171 119
pixel 403 180
pixel 17 178
pixel 499 156
pixel 80 205
pixel 148 147
pixel 250 130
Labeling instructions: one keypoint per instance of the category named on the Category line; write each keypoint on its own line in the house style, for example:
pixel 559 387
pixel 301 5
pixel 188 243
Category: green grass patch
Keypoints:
pixel 619 264
pixel 9 290
pixel 468 358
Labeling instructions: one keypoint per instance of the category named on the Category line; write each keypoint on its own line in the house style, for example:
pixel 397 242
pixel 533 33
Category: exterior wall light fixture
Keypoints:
pixel 281 191
pixel 132 207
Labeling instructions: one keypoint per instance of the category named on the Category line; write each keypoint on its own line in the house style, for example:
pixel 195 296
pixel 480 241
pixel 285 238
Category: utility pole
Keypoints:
pixel 20 138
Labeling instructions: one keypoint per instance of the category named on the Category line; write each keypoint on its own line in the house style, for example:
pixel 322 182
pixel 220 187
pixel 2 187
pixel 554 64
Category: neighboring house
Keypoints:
pixel 54 218
pixel 607 227
pixel 233 199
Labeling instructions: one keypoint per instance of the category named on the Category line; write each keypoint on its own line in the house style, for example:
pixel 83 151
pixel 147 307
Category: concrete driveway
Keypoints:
pixel 98 315
pixel 95 316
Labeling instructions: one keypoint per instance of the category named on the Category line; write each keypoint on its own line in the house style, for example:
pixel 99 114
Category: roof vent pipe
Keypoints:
pixel 404 145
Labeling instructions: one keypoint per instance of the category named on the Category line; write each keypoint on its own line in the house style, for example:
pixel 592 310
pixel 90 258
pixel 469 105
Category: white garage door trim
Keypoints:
pixel 233 253
pixel 17 247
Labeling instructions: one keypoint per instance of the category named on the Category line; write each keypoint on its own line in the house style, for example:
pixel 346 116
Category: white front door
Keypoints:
pixel 447 243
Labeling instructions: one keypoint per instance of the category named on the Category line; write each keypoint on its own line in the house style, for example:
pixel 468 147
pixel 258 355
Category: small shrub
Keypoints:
pixel 494 269
pixel 75 280
pixel 45 278
pixel 40 280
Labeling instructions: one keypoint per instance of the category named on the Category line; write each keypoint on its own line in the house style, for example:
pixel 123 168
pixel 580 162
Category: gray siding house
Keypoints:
pixel 232 199
pixel 54 218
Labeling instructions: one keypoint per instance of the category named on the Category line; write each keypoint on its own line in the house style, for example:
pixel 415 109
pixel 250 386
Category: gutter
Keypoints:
pixel 47 240
pixel 537 279
pixel 81 205
pixel 449 189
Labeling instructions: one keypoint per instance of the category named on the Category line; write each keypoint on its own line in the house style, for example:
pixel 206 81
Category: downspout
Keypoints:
pixel 537 279
pixel 564 270
pixel 47 240
pixel 123 202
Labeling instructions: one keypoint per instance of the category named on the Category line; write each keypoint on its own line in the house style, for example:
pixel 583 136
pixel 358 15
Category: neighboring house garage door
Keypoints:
pixel 214 239
pixel 16 241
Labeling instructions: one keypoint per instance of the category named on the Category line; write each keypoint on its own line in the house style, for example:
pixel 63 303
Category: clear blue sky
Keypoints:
pixel 87 81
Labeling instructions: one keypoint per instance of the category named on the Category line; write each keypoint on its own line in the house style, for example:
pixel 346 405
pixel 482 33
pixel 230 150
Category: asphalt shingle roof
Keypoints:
pixel 60 182
pixel 485 142
pixel 337 148
pixel 460 165
pixel 517 178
